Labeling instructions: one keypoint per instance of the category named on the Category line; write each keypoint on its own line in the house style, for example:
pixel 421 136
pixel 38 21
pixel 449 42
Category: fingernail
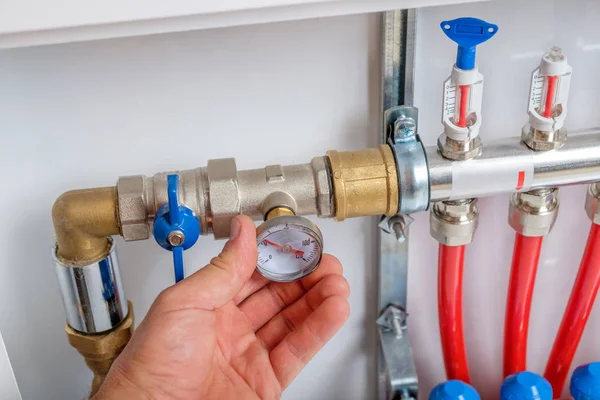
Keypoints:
pixel 235 229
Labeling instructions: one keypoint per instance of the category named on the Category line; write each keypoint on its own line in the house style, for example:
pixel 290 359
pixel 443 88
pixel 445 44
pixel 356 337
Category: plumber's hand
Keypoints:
pixel 227 333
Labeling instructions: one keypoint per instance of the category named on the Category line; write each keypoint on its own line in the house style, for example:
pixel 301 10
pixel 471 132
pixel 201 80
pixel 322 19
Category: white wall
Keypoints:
pixel 81 115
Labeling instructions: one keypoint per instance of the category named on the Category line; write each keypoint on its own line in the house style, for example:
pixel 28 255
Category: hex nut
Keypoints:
pixel 132 207
pixel 224 194
pixel 102 345
pixel 543 141
pixel 453 223
pixel 592 201
pixel 101 349
pixel 322 174
pixel 533 213
pixel 459 150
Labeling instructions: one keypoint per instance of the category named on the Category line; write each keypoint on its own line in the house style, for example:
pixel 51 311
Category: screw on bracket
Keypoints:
pixel 405 129
pixel 394 318
pixel 398 225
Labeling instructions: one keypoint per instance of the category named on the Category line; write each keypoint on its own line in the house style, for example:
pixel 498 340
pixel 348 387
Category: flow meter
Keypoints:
pixel 549 92
pixel 463 90
pixel 290 247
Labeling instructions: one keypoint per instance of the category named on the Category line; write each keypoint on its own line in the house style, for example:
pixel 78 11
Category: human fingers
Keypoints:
pixel 275 296
pixel 216 284
pixel 290 356
pixel 291 318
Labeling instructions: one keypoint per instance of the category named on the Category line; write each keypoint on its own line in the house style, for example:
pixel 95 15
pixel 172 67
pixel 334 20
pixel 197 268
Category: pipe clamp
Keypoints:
pixel 411 160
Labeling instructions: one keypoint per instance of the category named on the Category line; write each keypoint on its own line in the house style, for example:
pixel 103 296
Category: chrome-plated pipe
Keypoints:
pixel 508 166
pixel 93 294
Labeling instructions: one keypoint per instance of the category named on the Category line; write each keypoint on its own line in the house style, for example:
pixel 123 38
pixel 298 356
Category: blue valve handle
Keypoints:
pixel 454 390
pixel 468 32
pixel 585 382
pixel 525 386
pixel 172 217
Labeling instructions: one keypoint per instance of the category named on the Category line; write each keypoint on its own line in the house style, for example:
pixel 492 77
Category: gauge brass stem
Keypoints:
pixel 278 212
pixel 365 182
pixel 83 220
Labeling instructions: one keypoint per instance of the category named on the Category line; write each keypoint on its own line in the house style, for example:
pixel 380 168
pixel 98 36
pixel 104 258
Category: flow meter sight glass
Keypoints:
pixel 289 247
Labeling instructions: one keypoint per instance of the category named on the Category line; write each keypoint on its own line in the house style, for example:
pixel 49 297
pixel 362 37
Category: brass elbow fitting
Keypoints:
pixel 365 182
pixel 83 220
pixel 99 328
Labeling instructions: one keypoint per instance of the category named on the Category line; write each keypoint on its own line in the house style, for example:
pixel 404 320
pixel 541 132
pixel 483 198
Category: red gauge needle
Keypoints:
pixel 290 248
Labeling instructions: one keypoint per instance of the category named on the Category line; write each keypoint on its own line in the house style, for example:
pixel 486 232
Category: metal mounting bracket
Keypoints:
pixel 396 370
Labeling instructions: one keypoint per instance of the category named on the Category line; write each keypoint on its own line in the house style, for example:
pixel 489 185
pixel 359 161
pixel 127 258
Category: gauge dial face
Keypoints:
pixel 289 248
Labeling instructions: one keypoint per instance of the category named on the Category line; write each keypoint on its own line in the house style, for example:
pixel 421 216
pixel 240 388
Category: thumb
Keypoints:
pixel 216 284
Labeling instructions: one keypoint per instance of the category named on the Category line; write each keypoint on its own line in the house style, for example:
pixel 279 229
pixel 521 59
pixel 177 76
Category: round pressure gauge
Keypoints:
pixel 289 248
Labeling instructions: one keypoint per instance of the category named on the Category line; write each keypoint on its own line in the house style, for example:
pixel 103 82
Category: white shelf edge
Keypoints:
pixel 109 30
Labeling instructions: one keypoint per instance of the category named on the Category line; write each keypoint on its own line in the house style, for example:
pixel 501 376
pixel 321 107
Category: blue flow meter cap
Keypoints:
pixel 525 386
pixel 468 32
pixel 585 382
pixel 176 228
pixel 454 390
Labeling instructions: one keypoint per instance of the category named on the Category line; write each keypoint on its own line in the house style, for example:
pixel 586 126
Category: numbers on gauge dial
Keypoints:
pixel 288 248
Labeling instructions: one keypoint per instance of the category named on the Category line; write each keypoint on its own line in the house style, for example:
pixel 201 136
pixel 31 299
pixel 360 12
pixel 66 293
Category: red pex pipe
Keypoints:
pixel 576 314
pixel 450 273
pixel 525 260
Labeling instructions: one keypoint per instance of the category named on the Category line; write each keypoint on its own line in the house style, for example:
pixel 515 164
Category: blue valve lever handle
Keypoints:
pixel 468 33
pixel 176 228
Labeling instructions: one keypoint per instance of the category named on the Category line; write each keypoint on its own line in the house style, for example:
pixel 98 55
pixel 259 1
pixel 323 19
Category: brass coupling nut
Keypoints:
pixel 454 222
pixel 543 141
pixel 533 213
pixel 592 202
pixel 365 182
pixel 459 150
pixel 100 349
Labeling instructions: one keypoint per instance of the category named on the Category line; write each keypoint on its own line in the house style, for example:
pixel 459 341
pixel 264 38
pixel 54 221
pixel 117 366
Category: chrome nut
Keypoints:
pixel 543 141
pixel 453 223
pixel 533 213
pixel 459 150
pixel 223 194
pixel 132 207
pixel 592 201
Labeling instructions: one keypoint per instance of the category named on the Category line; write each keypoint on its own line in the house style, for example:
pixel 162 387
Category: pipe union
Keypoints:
pixel 132 207
pixel 533 213
pixel 453 223
pixel 592 201
pixel 223 192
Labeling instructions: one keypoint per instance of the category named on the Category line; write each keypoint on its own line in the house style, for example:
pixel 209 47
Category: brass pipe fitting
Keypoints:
pixel 83 220
pixel 365 182
pixel 278 212
pixel 101 350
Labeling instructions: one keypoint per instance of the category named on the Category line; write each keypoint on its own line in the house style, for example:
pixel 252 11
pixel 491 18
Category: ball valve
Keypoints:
pixel 176 228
